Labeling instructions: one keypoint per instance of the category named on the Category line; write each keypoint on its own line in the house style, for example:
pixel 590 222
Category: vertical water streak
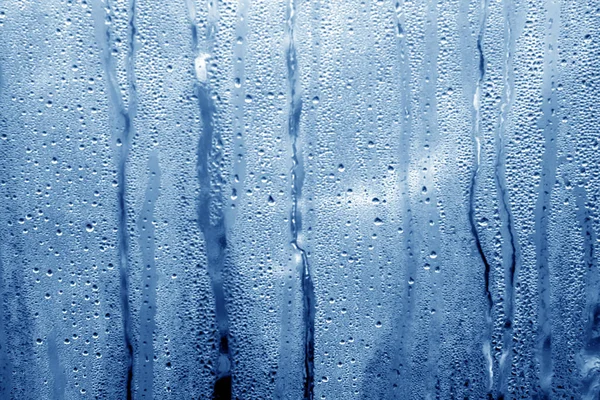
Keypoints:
pixel 5 361
pixel 127 133
pixel 211 205
pixel 145 224
pixel 508 233
pixel 211 220
pixel 16 330
pixel 125 113
pixel 297 178
pixel 549 123
pixel 478 136
pixel 589 356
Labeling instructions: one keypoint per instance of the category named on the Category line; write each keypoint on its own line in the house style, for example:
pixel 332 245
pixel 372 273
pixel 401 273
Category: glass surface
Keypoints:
pixel 317 199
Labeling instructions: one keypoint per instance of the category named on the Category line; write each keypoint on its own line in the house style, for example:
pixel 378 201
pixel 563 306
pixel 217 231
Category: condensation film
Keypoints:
pixel 299 199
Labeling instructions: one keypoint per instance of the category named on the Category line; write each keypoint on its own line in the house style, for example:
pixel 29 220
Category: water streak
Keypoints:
pixel 5 361
pixel 125 113
pixel 549 122
pixel 297 177
pixel 145 224
pixel 478 136
pixel 506 216
pixel 211 214
pixel 589 356
pixel 211 220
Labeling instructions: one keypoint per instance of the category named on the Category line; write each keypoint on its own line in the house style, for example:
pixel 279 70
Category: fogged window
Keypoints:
pixel 300 199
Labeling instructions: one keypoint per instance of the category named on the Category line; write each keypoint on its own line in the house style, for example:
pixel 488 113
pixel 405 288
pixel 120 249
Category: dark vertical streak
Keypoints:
pixel 591 343
pixel 476 166
pixel 211 220
pixel 211 205
pixel 125 115
pixel 21 331
pixel 123 257
pixel 16 319
pixel 549 123
pixel 123 237
pixel 297 177
pixel 194 36
pixel 5 361
pixel 506 218
pixel 149 277
pixel 475 233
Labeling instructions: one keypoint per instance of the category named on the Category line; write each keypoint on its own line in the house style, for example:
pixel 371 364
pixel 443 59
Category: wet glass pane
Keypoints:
pixel 299 199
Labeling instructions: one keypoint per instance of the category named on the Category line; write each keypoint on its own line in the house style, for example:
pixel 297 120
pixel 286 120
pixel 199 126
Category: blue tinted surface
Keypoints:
pixel 299 199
